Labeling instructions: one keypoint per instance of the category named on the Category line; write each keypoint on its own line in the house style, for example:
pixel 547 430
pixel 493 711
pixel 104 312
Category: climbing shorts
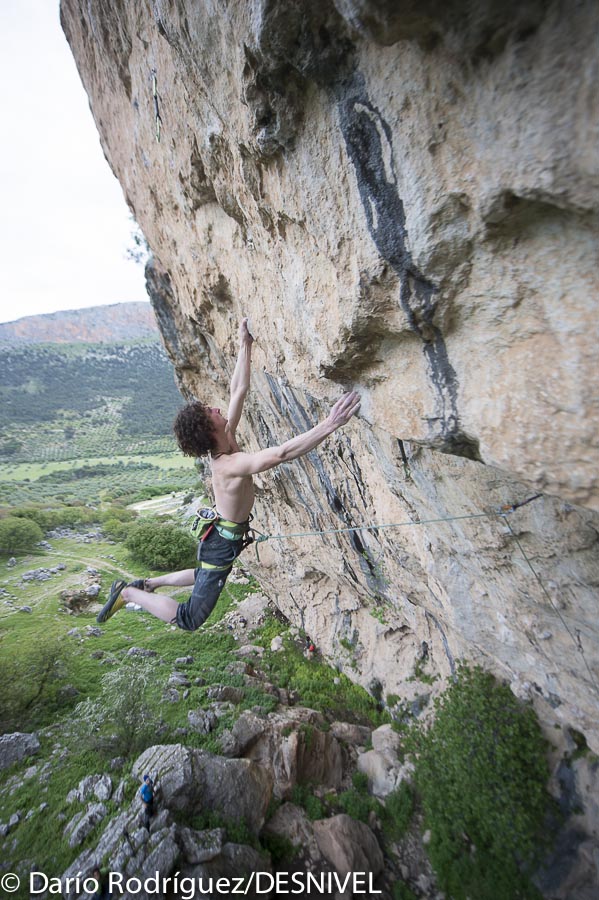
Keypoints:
pixel 214 550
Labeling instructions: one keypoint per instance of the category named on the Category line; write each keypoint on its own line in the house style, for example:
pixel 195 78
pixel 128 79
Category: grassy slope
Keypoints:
pixel 83 661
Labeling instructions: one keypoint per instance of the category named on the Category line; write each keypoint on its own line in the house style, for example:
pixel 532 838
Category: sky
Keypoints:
pixel 65 226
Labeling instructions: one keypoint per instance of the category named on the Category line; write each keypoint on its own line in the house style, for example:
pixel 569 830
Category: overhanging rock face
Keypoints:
pixel 403 197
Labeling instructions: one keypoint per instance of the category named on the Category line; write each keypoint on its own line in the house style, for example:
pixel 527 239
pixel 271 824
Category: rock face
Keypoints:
pixel 403 198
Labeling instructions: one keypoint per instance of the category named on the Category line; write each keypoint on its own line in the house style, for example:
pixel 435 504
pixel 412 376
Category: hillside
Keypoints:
pixel 97 324
pixel 71 401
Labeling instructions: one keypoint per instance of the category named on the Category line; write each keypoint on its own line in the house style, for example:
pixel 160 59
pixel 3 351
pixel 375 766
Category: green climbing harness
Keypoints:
pixel 207 519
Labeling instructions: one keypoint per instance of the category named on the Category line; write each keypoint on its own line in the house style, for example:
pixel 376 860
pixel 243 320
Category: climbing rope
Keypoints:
pixel 501 513
pixel 504 511
pixel 576 640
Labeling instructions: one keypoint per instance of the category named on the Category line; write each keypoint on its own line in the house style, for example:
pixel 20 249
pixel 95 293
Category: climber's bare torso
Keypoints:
pixel 233 493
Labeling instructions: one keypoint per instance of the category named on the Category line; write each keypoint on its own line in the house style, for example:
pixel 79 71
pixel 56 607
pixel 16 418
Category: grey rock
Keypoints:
pixel 15 747
pixel 11 562
pixel 164 855
pixel 119 794
pixel 201 846
pixel 228 745
pixel 178 679
pixel 93 590
pixel 141 651
pixel 103 788
pixel 249 650
pixel 202 720
pixel 4 829
pixel 355 735
pixel 234 860
pixel 93 631
pixel 184 661
pixel 171 695
pixel 247 729
pixel 99 786
pixel 84 823
pixel 14 820
pixel 348 845
pixel 25 609
pixel 224 693
pixel 236 788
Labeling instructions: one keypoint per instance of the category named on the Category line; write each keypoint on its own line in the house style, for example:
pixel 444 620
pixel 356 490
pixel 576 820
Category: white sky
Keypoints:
pixel 65 226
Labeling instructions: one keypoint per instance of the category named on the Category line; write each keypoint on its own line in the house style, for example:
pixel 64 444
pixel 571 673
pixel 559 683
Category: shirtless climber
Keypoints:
pixel 202 430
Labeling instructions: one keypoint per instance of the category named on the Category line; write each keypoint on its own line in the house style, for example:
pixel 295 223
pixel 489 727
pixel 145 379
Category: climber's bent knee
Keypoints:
pixel 206 591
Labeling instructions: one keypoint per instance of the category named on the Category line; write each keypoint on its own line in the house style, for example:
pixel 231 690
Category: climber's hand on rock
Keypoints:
pixel 245 336
pixel 346 407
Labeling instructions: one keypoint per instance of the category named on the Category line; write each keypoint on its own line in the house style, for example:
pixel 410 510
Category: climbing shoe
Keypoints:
pixel 142 585
pixel 114 603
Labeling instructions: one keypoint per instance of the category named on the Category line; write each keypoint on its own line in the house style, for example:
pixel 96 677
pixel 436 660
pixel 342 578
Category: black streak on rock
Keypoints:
pixel 368 141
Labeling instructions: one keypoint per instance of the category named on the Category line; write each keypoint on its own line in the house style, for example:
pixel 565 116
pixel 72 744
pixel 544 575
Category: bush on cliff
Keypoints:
pixel 481 771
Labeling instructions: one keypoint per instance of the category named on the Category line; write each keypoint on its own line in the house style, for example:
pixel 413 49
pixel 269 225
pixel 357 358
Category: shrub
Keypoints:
pixel 32 685
pixel 18 535
pixel 481 771
pixel 161 545
pixel 399 806
pixel 302 795
pixel 114 529
pixel 121 720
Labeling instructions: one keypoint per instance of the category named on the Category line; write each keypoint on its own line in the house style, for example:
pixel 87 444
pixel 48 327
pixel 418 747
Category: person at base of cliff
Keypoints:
pixel 202 430
pixel 103 892
pixel 146 792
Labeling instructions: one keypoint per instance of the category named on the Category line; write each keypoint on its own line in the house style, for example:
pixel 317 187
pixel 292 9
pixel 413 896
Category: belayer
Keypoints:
pixel 202 430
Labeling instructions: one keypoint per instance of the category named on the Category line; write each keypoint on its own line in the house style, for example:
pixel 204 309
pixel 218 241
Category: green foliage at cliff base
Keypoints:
pixel 481 772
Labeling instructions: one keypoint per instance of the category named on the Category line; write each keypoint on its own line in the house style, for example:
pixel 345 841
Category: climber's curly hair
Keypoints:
pixel 193 430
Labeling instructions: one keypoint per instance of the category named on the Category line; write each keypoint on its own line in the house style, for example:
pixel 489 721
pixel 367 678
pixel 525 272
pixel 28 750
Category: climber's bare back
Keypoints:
pixel 233 494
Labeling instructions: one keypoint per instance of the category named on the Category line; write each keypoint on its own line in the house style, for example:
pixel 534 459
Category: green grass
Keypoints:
pixel 318 685
pixel 40 638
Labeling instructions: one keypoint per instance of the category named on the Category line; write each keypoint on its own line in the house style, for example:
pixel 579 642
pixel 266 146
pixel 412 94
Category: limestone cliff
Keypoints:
pixel 403 197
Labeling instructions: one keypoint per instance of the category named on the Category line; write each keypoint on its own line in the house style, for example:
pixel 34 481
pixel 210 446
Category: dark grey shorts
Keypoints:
pixel 209 583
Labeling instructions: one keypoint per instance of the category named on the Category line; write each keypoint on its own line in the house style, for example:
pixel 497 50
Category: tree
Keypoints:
pixel 122 719
pixel 18 535
pixel 161 545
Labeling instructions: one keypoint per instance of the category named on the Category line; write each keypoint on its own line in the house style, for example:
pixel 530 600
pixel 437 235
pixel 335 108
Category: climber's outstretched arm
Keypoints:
pixel 240 464
pixel 240 382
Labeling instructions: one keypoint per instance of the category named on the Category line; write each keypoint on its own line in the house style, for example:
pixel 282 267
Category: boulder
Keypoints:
pixel 84 823
pixel 234 860
pixel 15 747
pixel 178 679
pixel 98 785
pixel 348 845
pixel 355 735
pixel 191 780
pixel 292 823
pixel 382 764
pixel 202 720
pixel 294 748
pixel 200 846
pixel 224 693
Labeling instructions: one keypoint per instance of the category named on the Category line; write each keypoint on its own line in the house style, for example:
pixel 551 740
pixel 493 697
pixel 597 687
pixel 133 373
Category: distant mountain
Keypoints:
pixel 115 323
